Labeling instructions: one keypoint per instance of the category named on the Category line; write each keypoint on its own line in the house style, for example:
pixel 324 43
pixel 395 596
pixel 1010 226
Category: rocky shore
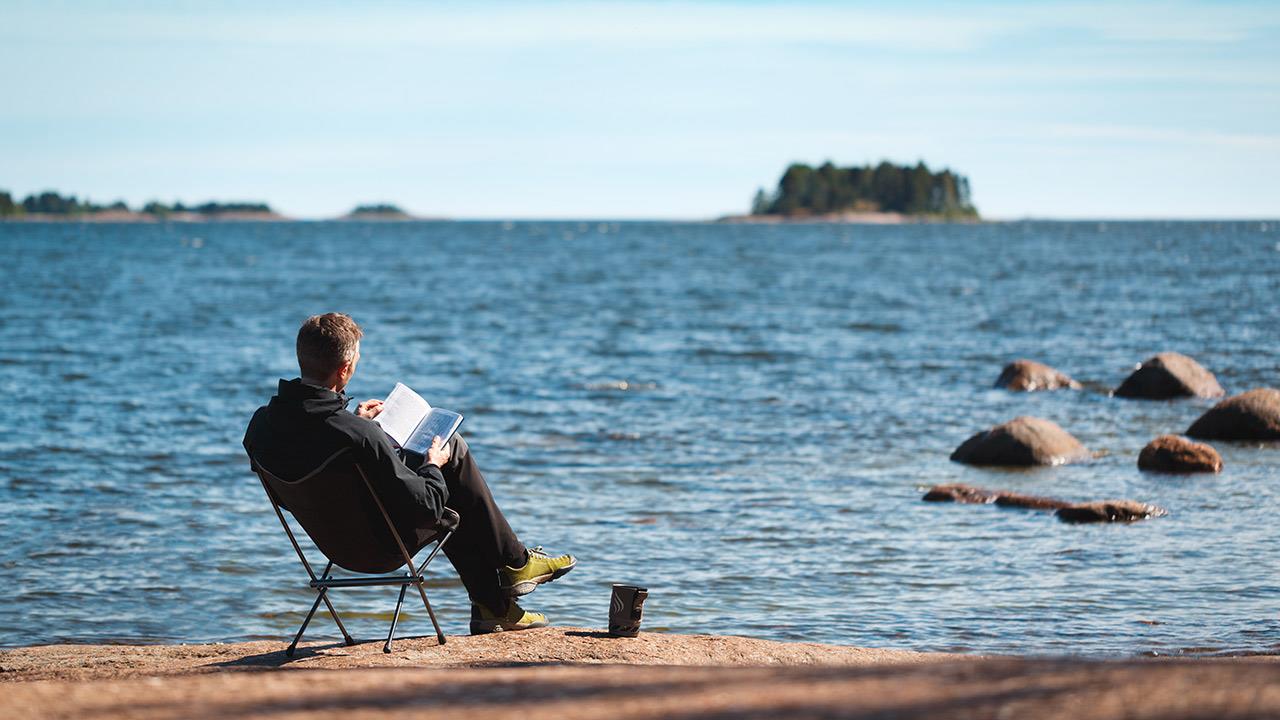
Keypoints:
pixel 581 673
pixel 849 217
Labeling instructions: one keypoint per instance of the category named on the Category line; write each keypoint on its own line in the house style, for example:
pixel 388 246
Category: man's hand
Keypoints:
pixel 438 454
pixel 369 409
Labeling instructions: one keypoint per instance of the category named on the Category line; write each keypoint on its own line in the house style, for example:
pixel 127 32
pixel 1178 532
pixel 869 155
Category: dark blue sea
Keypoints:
pixel 742 418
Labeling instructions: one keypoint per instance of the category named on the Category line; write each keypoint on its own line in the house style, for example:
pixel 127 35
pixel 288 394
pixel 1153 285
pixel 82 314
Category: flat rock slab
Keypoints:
pixel 1175 454
pixel 1169 375
pixel 1253 415
pixel 1109 511
pixel 1099 511
pixel 972 688
pixel 1029 502
pixel 960 493
pixel 553 645
pixel 1031 376
pixel 1023 441
pixel 968 494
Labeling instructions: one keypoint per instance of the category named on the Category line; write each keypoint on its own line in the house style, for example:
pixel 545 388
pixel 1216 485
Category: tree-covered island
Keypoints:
pixel 831 192
pixel 209 209
pixel 377 211
pixel 50 205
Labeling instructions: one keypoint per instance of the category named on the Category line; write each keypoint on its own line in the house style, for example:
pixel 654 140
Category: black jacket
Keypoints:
pixel 305 424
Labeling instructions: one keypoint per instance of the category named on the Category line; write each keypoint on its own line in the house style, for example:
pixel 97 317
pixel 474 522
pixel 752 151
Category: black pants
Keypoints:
pixel 484 540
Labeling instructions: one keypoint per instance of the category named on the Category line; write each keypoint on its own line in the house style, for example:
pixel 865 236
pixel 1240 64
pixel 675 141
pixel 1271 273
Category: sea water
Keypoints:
pixel 741 418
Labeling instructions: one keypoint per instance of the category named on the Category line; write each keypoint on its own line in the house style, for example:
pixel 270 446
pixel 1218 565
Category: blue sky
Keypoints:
pixel 642 110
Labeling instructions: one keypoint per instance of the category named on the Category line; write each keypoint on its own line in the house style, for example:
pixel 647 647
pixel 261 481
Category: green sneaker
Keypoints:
pixel 484 622
pixel 540 568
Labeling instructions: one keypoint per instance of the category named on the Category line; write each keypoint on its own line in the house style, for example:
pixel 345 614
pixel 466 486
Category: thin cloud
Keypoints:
pixel 954 27
pixel 1164 136
pixel 640 109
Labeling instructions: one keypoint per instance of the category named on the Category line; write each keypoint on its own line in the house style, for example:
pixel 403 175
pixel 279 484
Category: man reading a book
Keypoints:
pixel 307 422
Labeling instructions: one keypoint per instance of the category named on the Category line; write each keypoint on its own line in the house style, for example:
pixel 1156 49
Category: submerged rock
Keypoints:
pixel 957 492
pixel 1109 511
pixel 1030 376
pixel 1101 511
pixel 1030 502
pixel 1023 440
pixel 1253 415
pixel 970 495
pixel 1170 375
pixel 1174 454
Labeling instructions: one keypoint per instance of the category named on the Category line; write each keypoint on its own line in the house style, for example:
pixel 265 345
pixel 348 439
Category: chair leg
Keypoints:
pixel 293 645
pixel 394 618
pixel 346 636
pixel 416 580
pixel 420 571
pixel 430 612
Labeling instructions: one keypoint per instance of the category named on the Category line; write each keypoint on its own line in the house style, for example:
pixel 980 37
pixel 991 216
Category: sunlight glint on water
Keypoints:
pixel 740 418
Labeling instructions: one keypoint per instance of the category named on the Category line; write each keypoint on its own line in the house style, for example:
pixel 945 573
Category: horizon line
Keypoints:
pixel 38 218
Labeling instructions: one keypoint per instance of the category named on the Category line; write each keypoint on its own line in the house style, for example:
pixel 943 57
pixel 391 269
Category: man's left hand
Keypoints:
pixel 369 409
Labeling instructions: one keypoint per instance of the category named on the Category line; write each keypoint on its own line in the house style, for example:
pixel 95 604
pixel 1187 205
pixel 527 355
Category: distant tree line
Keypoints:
pixel 52 203
pixel 805 190
pixel 160 209
pixel 378 209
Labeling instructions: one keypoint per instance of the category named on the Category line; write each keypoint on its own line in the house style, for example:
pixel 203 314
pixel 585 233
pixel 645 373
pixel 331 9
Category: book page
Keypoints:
pixel 401 412
pixel 437 422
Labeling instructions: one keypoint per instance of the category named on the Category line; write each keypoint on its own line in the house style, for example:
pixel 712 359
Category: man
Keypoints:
pixel 307 422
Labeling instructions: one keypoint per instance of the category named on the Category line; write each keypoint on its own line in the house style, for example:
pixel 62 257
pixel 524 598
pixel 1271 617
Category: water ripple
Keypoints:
pixel 745 426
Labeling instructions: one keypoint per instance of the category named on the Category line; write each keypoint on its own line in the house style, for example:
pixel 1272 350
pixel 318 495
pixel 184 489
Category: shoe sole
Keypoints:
pixel 497 628
pixel 527 586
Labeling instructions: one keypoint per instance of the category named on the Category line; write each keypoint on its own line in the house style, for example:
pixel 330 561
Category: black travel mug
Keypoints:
pixel 625 607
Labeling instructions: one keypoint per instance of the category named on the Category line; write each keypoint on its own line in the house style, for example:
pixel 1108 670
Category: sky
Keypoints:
pixel 642 110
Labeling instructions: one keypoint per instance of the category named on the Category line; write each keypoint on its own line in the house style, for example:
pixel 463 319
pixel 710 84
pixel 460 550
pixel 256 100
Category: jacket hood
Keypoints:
pixel 310 399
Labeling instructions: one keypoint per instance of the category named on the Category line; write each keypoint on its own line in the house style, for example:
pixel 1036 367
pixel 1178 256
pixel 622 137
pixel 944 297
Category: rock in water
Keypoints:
pixel 1029 376
pixel 1254 415
pixel 1030 502
pixel 1109 511
pixel 957 492
pixel 1174 454
pixel 968 494
pixel 1170 375
pixel 1021 441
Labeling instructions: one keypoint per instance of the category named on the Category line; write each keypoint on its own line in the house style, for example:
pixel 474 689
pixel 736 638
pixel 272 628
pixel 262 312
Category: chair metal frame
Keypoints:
pixel 324 582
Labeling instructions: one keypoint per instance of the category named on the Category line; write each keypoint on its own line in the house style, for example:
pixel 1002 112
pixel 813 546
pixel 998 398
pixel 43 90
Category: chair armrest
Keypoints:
pixel 449 520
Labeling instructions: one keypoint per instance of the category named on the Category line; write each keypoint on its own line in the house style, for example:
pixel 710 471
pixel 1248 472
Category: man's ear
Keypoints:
pixel 340 376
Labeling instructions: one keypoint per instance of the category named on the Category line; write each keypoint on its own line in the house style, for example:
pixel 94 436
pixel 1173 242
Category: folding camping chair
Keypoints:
pixel 342 514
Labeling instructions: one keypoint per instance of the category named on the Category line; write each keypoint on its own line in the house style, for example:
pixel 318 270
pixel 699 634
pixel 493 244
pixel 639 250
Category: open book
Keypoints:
pixel 412 422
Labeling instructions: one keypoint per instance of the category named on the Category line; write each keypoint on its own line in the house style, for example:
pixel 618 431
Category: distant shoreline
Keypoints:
pixel 50 206
pixel 845 218
pixel 122 217
pixel 112 217
pixel 128 216
pixel 853 218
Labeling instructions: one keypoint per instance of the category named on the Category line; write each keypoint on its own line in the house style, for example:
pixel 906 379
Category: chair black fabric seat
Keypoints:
pixel 341 516
pixel 342 513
